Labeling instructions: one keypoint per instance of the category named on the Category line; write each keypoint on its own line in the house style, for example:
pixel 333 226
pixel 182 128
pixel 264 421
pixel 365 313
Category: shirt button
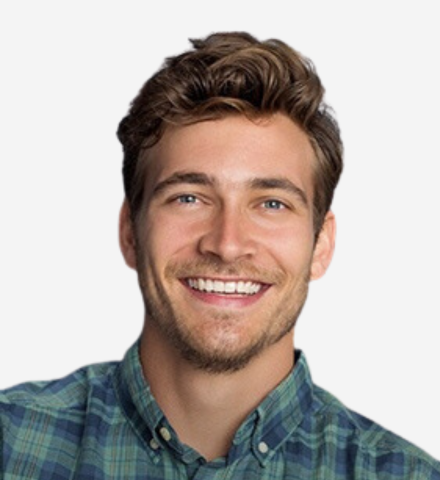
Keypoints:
pixel 165 434
pixel 153 444
pixel 263 447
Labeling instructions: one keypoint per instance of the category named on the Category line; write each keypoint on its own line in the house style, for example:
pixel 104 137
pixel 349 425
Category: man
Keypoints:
pixel 231 159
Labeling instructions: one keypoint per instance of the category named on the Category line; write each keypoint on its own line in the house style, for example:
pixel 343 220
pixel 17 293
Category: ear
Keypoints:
pixel 324 247
pixel 127 239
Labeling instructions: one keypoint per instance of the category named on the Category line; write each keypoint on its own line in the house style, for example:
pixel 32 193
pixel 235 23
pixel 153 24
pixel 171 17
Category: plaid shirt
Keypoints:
pixel 102 422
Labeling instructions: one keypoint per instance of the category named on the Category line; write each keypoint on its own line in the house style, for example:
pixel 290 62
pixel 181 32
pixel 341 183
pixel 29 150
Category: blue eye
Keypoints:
pixel 186 199
pixel 273 204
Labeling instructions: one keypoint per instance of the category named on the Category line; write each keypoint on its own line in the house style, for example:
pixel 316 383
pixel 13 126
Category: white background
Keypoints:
pixel 68 72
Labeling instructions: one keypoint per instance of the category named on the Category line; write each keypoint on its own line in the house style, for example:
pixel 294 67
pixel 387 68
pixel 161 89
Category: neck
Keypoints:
pixel 206 409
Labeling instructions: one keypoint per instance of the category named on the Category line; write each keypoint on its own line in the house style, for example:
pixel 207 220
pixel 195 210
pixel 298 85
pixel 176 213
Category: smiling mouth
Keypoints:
pixel 225 287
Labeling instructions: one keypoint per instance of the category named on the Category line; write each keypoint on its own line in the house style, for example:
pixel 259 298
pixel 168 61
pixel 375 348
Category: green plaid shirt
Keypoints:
pixel 102 422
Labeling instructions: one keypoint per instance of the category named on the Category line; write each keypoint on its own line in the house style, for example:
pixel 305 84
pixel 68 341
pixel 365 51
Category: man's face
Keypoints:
pixel 224 239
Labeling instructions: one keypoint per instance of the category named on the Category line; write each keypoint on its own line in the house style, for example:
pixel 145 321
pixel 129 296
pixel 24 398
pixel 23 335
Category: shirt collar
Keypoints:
pixel 264 430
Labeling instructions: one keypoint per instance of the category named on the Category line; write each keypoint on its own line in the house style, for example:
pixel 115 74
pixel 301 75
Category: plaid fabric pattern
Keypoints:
pixel 102 422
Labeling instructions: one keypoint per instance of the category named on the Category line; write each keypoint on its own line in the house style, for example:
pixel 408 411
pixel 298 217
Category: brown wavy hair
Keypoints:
pixel 226 74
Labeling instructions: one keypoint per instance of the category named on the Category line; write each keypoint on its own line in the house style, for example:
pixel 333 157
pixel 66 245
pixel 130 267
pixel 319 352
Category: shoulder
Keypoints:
pixel 364 441
pixel 30 404
pixel 41 421
pixel 69 392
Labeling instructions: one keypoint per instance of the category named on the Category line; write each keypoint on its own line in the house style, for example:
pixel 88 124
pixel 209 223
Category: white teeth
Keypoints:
pixel 218 286
pixel 209 285
pixel 254 288
pixel 241 287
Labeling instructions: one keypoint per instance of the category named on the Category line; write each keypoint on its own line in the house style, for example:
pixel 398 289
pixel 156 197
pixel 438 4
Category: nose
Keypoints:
pixel 229 237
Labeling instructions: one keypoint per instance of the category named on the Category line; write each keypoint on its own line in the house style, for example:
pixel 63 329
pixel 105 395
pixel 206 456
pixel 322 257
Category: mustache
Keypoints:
pixel 209 267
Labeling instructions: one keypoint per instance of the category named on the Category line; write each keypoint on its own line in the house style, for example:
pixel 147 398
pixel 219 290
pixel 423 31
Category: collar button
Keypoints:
pixel 165 434
pixel 263 447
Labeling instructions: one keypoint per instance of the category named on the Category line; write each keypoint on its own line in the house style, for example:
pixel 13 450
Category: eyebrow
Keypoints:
pixel 193 178
pixel 279 183
pixel 257 183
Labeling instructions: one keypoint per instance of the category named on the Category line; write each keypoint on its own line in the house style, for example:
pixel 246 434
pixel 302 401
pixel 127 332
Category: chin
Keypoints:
pixel 226 354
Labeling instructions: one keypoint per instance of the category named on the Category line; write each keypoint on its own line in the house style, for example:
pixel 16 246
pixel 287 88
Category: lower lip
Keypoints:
pixel 227 300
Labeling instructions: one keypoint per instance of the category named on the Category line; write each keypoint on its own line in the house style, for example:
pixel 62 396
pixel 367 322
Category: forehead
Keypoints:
pixel 234 149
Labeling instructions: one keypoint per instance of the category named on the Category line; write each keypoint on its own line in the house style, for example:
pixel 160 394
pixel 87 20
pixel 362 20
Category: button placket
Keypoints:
pixel 154 445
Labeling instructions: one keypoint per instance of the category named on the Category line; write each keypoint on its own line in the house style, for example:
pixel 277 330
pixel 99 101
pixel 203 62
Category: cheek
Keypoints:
pixel 292 245
pixel 164 239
